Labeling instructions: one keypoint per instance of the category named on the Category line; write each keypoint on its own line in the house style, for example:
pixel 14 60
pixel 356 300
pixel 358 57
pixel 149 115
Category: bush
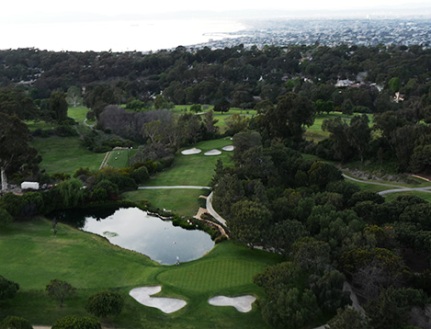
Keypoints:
pixel 140 175
pixel 15 322
pixel 8 289
pixel 105 303
pixel 76 322
pixel 5 217
pixel 59 290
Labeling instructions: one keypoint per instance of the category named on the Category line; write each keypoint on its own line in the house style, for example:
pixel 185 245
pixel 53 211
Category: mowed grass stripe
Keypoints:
pixel 227 266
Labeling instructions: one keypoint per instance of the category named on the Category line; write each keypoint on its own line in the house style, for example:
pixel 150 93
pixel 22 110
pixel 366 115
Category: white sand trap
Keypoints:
pixel 228 148
pixel 213 152
pixel 243 304
pixel 167 305
pixel 191 151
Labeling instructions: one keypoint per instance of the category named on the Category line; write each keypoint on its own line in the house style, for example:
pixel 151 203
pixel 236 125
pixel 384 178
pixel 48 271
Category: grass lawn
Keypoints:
pixel 182 202
pixel 196 169
pixel 424 195
pixel 120 158
pixel 221 117
pixel 65 155
pixel 33 125
pixel 32 256
pixel 79 113
pixel 315 132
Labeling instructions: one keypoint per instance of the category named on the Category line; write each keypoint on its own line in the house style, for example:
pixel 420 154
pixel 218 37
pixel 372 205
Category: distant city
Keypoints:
pixel 330 32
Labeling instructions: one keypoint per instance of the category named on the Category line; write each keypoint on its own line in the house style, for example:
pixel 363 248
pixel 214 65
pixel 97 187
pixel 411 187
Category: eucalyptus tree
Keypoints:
pixel 16 154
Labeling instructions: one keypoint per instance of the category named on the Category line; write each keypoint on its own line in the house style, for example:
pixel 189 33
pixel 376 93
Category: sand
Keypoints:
pixel 243 304
pixel 167 305
pixel 213 152
pixel 228 148
pixel 191 151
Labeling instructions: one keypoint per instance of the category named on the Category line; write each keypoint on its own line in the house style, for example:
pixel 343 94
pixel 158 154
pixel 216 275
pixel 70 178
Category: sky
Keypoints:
pixel 15 10
pixel 143 25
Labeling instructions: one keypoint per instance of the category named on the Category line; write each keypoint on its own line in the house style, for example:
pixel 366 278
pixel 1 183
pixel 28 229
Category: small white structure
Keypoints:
pixel 29 186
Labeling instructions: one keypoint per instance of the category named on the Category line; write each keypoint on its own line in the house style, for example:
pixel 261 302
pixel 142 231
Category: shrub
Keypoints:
pixel 105 303
pixel 15 322
pixel 140 175
pixel 8 289
pixel 60 290
pixel 76 322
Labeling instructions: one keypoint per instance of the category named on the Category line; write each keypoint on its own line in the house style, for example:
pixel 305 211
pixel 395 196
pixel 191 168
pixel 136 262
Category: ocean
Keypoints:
pixel 116 35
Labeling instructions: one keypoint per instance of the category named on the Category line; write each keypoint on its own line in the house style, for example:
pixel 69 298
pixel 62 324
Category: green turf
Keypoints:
pixel 120 158
pixel 79 113
pixel 182 202
pixel 31 255
pixel 196 169
pixel 33 125
pixel 315 132
pixel 424 195
pixel 65 155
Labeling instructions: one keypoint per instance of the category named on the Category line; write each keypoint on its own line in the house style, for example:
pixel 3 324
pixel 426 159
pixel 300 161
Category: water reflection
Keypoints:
pixel 134 229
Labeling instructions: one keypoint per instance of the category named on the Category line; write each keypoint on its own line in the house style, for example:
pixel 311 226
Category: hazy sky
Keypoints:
pixel 138 24
pixel 42 8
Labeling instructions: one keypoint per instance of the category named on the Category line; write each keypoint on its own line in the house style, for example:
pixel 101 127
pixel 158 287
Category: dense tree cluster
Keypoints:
pixel 328 231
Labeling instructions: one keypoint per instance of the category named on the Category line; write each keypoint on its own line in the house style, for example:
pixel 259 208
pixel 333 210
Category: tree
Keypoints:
pixel 348 318
pixel 74 97
pixel 105 303
pixel 391 308
pixel 286 305
pixel 59 290
pixel 76 322
pixel 196 108
pixel 359 134
pixel 311 255
pixel 5 217
pixel 58 106
pixel 222 105
pixel 15 102
pixel 15 322
pixel 249 220
pixel 15 152
pixel 288 119
pixel 71 191
pixel 8 289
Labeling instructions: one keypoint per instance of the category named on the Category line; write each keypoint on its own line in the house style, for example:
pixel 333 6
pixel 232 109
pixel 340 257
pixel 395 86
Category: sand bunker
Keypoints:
pixel 191 151
pixel 228 148
pixel 213 152
pixel 167 305
pixel 243 304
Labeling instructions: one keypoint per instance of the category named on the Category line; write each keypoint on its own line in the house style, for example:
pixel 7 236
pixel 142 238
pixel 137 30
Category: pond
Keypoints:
pixel 134 229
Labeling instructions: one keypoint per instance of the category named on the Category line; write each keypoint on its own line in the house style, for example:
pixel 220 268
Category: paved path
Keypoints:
pixel 394 189
pixel 214 213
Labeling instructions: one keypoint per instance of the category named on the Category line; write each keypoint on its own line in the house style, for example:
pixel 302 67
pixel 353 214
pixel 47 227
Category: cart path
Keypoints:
pixel 394 189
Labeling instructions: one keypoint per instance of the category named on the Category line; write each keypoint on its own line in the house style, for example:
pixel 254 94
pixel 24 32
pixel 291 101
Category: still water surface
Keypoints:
pixel 134 229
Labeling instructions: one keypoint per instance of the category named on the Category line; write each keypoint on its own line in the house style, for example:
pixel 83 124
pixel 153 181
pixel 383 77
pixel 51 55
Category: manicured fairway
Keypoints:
pixel 65 155
pixel 196 169
pixel 31 255
pixel 120 158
